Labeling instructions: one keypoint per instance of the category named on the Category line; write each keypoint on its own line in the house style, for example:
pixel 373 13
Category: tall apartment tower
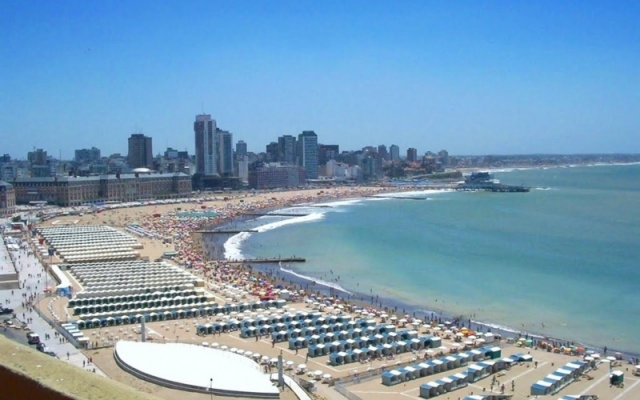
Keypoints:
pixel 287 149
pixel 412 154
pixel 308 153
pixel 140 151
pixel 394 152
pixel 241 149
pixel 382 152
pixel 224 141
pixel 206 150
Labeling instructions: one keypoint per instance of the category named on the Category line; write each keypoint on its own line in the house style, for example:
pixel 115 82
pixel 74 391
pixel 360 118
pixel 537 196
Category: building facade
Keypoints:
pixel 7 199
pixel 206 150
pixel 307 153
pixel 140 151
pixel 69 191
pixel 272 176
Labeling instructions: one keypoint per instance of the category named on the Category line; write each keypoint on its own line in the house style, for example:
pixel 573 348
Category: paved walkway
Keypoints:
pixel 28 268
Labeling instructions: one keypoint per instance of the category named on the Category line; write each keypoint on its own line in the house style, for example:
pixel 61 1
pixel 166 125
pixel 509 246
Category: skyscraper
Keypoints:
pixel 307 153
pixel 412 154
pixel 287 149
pixel 241 149
pixel 140 151
pixel 206 150
pixel 394 152
pixel 224 141
pixel 382 151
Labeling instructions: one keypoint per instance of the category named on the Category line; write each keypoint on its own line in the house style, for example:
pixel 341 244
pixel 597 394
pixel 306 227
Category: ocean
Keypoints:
pixel 560 261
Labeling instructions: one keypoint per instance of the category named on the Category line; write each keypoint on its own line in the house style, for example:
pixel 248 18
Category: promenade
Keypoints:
pixel 33 281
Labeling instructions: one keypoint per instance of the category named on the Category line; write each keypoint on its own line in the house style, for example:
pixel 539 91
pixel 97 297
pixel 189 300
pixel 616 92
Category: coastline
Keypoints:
pixel 292 276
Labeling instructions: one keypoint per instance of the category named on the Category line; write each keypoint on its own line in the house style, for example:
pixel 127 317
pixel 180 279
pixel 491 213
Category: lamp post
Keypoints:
pixel 211 387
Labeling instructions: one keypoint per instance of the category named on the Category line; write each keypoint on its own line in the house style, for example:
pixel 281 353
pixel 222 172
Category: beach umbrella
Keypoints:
pixel 317 373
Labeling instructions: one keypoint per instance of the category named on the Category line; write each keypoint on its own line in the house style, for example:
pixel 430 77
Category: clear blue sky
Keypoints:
pixel 473 77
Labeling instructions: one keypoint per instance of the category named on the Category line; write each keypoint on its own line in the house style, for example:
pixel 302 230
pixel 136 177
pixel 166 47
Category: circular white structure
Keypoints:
pixel 195 368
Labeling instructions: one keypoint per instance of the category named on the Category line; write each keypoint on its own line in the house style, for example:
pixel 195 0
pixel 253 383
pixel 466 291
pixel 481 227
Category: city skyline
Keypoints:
pixel 523 78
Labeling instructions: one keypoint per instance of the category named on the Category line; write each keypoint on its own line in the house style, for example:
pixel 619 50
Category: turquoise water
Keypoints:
pixel 564 255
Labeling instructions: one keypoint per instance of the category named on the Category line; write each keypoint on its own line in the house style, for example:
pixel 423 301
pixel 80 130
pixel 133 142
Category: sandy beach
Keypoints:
pixel 164 223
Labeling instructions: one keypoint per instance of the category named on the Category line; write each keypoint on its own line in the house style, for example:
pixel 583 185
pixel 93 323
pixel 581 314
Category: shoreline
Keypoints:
pixel 400 308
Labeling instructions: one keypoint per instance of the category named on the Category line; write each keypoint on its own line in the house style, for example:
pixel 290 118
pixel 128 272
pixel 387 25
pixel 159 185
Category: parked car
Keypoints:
pixel 41 346
pixel 5 311
pixel 33 338
pixel 50 352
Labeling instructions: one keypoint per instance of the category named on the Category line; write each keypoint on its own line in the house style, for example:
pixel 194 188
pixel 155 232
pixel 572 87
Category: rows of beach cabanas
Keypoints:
pixel 140 231
pixel 487 357
pixel 208 308
pixel 473 373
pixel 560 378
pixel 116 276
pixel 101 304
pixel 362 349
pixel 128 277
pixel 90 243
pixel 92 301
pixel 151 315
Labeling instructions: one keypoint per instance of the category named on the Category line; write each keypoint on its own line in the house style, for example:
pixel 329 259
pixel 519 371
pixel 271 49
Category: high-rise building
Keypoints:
pixel 287 149
pixel 87 155
pixel 382 151
pixel 272 152
pixel 394 152
pixel 241 149
pixel 412 154
pixel 224 141
pixel 140 151
pixel 206 150
pixel 327 152
pixel 307 153
pixel 443 155
pixel 37 157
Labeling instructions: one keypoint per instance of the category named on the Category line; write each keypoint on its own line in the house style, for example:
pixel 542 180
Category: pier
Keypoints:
pixel 275 215
pixel 399 197
pixel 226 232
pixel 275 260
pixel 492 187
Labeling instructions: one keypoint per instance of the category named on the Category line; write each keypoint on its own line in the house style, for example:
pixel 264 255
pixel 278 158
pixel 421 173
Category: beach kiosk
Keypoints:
pixel 616 378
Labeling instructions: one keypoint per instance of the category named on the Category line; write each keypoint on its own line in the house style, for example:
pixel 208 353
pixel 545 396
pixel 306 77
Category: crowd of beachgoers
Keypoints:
pixel 175 223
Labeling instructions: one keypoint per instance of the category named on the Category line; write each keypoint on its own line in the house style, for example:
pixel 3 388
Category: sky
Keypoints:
pixel 472 77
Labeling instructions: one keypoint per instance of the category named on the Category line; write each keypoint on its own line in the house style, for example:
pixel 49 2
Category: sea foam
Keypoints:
pixel 316 280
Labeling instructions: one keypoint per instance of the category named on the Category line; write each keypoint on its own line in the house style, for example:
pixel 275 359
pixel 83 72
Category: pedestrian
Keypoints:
pixel 68 355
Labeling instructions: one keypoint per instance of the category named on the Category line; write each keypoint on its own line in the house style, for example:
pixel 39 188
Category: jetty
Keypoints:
pixel 275 215
pixel 275 260
pixel 225 232
pixel 399 197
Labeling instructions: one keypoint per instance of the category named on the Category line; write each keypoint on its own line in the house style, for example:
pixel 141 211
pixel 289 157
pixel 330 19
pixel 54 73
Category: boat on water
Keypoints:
pixel 483 181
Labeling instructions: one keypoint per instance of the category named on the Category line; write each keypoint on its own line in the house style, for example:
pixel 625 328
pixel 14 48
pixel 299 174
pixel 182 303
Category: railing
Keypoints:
pixel 346 393
pixel 59 329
